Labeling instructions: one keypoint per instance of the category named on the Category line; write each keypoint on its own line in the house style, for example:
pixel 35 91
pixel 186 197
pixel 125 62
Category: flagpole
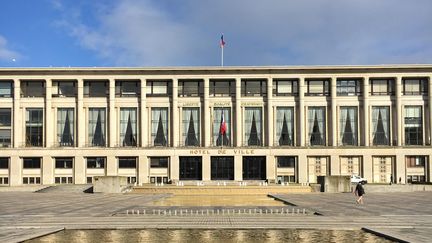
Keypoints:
pixel 222 49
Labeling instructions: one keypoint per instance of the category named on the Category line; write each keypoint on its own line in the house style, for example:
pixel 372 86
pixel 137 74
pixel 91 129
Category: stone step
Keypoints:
pixel 87 188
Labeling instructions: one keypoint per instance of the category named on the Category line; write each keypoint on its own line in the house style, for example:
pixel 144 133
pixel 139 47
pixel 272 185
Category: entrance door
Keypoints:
pixel 222 168
pixel 254 168
pixel 190 168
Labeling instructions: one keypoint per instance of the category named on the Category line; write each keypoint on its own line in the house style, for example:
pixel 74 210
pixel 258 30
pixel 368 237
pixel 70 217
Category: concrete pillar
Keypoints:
pixel 111 166
pixel 175 124
pixel 206 168
pixel 49 134
pixel 81 118
pixel 400 168
pixel 238 168
pixel 144 128
pixel 17 116
pixel 271 168
pixel 143 170
pixel 206 110
pixel 112 124
pixel 334 165
pixel 270 118
pixel 47 170
pixel 238 115
pixel 302 168
pixel 367 168
pixel 174 168
pixel 15 170
pixel 301 131
pixel 80 167
pixel 429 169
pixel 333 113
pixel 365 122
pixel 429 117
pixel 398 121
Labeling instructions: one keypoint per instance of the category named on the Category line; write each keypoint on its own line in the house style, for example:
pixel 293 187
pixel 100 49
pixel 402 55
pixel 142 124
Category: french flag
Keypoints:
pixel 223 125
pixel 222 42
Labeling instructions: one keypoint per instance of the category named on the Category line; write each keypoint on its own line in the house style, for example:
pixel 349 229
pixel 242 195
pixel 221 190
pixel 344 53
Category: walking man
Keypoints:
pixel 359 191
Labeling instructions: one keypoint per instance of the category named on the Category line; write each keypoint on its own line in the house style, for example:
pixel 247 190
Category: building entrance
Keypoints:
pixel 222 168
pixel 190 168
pixel 254 168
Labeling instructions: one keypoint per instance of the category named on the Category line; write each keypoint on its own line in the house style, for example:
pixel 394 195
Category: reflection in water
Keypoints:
pixel 189 236
pixel 217 200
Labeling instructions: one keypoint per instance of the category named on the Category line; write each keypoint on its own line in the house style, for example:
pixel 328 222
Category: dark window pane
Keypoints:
pixel 4 163
pixel 286 162
pixel 6 89
pixel 254 168
pixel 127 162
pixel 159 162
pixel 190 168
pixel 95 162
pixel 31 163
pixel 64 163
pixel 222 168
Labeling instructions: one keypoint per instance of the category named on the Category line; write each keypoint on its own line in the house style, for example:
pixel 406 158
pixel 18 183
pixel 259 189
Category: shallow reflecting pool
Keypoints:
pixel 217 200
pixel 210 236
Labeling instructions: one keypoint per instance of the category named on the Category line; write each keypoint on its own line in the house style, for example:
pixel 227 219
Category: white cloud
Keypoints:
pixel 257 32
pixel 6 54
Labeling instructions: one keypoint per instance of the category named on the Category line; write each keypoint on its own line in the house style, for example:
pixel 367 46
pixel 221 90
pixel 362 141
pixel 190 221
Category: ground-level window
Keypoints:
pixel 254 168
pixel 222 168
pixel 190 168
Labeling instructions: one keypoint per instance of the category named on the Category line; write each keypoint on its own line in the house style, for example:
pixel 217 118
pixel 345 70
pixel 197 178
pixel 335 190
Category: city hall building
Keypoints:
pixel 281 124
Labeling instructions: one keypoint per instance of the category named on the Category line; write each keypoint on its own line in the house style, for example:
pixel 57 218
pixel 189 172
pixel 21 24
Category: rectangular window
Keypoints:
pixel 159 126
pixel 127 162
pixel 125 88
pixel 97 127
pixel 413 125
pixel 34 127
pixel 191 126
pixel 416 161
pixel 222 126
pixel 382 86
pixel 64 89
pixel 318 87
pixel 4 163
pixel 63 163
pixel 222 167
pixel 415 86
pixel 285 126
pixel 285 87
pixel 5 127
pixel 222 87
pixel 96 162
pixel 317 126
pixel 348 87
pixel 253 126
pixel 286 161
pixel 348 126
pixel 96 89
pixel 158 162
pixel 253 87
pixel 158 88
pixel 190 88
pixel 34 88
pixel 65 126
pixel 6 89
pixel 128 127
pixel 190 168
pixel 381 125
pixel 31 163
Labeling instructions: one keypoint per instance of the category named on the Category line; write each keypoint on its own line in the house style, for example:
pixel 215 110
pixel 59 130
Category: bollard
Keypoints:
pixel 293 211
pixel 181 212
pixel 261 211
pixel 277 211
pixel 223 211
pixel 175 212
pixel 298 211
pixel 266 211
pixel 218 212
pixel 159 212
pixel 169 213
pixel 255 211
pixel 250 211
pixel 271 211
pixel 144 211
pixel 127 212
pixel 207 212
pixel 138 212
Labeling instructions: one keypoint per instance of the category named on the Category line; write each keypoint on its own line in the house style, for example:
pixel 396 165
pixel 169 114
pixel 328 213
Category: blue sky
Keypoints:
pixel 81 33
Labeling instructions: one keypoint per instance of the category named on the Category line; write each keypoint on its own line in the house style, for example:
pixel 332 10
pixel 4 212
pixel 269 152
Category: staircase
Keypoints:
pixel 87 188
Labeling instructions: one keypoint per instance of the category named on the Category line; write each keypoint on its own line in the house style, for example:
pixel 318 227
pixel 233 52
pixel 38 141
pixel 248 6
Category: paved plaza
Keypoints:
pixel 405 216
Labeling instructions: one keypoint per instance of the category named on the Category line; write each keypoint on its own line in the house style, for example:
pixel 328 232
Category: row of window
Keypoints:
pixel 217 87
pixel 221 129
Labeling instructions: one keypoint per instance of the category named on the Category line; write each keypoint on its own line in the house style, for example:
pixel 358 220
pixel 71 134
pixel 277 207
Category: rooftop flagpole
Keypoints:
pixel 222 44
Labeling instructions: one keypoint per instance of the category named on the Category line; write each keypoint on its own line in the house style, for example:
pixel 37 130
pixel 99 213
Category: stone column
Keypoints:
pixel 174 168
pixel 429 169
pixel 15 169
pixel 270 118
pixel 143 170
pixel 367 168
pixel 47 170
pixel 81 119
pixel 17 117
pixel 206 110
pixel 80 170
pixel 334 165
pixel 398 121
pixel 238 114
pixel 429 117
pixel 111 165
pixel 333 112
pixel 271 168
pixel 301 131
pixel 175 122
pixel 365 112
pixel 400 168
pixel 238 168
pixel 302 169
pixel 206 171
pixel 144 127
pixel 49 127
pixel 112 124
